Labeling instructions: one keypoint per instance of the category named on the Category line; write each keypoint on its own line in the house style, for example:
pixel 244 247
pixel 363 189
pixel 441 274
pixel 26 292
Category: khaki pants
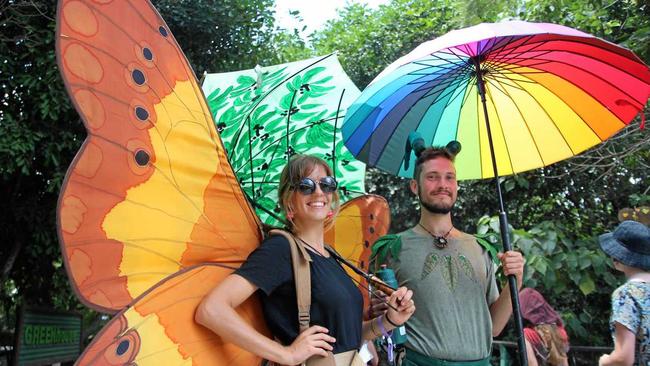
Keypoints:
pixel 349 358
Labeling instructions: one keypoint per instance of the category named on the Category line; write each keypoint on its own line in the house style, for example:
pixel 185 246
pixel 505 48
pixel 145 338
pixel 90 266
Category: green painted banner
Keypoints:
pixel 47 337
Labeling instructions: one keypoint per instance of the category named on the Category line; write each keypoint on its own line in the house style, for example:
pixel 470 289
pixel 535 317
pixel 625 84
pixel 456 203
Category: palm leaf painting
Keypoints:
pixel 265 115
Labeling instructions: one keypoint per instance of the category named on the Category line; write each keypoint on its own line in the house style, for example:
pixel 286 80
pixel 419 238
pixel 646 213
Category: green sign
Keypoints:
pixel 46 337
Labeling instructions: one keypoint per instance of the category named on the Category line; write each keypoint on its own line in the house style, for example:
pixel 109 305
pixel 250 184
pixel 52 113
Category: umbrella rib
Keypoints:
pixel 460 60
pixel 458 71
pixel 439 97
pixel 505 51
pixel 580 54
pixel 444 94
pixel 514 66
pixel 451 51
pixel 503 78
pixel 549 117
pixel 478 127
pixel 421 62
pixel 405 114
pixel 465 97
pixel 599 78
pixel 503 135
pixel 336 119
pixel 523 117
pixel 453 77
pixel 490 43
pixel 250 153
pixel 447 104
pixel 443 70
pixel 588 72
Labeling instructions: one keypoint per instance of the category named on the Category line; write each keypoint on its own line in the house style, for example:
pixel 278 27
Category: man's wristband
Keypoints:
pixel 390 321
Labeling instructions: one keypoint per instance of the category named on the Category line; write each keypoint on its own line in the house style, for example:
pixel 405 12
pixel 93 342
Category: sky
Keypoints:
pixel 315 13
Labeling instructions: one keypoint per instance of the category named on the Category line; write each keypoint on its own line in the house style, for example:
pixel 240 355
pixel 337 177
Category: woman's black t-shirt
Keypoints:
pixel 336 303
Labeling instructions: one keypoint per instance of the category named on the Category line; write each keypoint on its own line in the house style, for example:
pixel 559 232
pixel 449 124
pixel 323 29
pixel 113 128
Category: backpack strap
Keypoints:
pixel 301 275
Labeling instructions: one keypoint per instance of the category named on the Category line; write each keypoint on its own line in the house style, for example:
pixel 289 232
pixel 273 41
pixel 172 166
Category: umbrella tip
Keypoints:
pixel 260 75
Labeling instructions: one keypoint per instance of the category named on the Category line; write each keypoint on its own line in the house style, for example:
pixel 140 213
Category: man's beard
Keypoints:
pixel 435 208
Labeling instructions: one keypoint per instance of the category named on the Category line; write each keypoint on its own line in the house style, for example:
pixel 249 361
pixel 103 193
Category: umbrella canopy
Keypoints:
pixel 264 115
pixel 551 92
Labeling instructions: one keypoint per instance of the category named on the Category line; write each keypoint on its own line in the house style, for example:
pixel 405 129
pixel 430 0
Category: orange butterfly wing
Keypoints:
pixel 358 225
pixel 159 327
pixel 151 191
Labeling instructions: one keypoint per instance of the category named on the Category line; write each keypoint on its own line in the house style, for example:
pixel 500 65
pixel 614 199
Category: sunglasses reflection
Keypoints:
pixel 307 186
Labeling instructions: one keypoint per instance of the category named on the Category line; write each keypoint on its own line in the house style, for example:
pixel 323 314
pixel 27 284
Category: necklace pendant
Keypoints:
pixel 440 242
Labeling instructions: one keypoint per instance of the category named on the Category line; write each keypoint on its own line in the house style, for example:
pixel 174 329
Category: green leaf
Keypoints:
pixel 245 80
pixel 323 81
pixel 313 72
pixel 310 106
pixel 587 285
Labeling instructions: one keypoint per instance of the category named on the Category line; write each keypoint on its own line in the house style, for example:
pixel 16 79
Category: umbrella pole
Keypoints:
pixel 503 223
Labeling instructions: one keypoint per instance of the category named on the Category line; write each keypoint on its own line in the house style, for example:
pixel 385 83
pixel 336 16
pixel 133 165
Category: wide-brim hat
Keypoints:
pixel 629 244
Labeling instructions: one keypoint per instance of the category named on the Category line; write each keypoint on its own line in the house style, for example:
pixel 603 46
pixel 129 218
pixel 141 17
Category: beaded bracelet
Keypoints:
pixel 372 328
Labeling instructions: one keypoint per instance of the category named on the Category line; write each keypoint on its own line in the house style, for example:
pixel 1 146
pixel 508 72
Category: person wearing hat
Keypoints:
pixel 629 247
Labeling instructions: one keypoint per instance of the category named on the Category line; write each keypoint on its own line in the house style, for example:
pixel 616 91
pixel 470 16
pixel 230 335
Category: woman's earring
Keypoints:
pixel 330 214
pixel 290 215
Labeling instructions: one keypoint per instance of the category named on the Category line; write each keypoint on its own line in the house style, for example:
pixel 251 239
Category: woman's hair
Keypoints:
pixel 299 167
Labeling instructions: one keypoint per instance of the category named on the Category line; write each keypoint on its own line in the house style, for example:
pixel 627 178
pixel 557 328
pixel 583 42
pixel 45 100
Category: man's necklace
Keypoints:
pixel 439 241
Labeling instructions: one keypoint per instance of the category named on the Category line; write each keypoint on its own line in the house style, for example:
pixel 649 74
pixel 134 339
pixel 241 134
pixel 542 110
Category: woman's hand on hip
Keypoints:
pixel 313 341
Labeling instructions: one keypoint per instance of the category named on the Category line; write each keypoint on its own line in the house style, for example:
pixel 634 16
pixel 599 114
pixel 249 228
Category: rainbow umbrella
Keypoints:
pixel 551 92
pixel 516 95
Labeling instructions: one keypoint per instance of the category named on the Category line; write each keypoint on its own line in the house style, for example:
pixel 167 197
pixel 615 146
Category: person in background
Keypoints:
pixel 547 343
pixel 629 247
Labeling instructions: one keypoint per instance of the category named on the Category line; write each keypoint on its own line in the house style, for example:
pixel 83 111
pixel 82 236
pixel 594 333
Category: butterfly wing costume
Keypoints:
pixel 151 216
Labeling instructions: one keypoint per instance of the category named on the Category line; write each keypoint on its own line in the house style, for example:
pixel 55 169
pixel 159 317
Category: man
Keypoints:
pixel 459 308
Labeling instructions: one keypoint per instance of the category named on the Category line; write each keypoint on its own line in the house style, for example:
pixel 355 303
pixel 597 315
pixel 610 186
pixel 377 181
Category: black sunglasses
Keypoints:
pixel 307 186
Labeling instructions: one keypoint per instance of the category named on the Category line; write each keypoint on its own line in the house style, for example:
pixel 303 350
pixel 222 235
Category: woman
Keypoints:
pixel 310 201
pixel 629 247
pixel 547 342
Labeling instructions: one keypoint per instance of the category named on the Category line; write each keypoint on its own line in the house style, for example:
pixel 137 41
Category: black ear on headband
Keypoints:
pixel 415 142
pixel 453 147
